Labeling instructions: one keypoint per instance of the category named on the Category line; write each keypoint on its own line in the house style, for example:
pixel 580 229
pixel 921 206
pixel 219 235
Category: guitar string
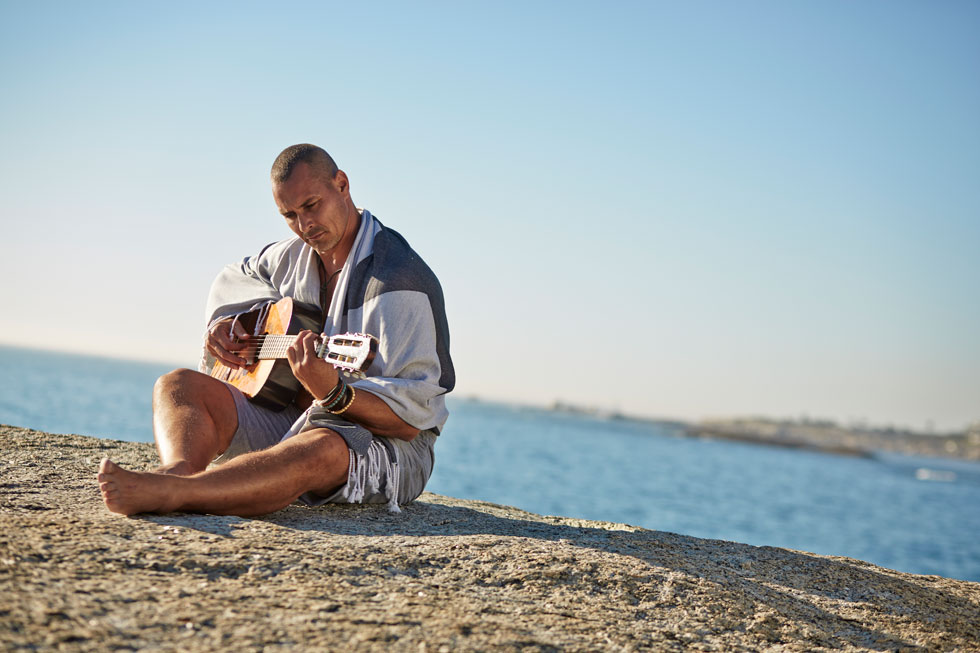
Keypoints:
pixel 270 345
pixel 284 338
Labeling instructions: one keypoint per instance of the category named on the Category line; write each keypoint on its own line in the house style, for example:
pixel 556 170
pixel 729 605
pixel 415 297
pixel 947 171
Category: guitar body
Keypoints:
pixel 270 382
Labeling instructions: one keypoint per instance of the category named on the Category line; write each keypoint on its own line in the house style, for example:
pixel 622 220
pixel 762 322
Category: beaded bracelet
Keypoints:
pixel 339 399
pixel 353 394
pixel 334 396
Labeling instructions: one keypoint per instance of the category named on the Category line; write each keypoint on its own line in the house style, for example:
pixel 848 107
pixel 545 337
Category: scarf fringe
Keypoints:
pixel 365 476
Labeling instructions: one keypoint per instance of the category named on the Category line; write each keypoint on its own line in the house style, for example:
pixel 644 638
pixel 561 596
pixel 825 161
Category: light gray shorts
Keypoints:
pixel 390 471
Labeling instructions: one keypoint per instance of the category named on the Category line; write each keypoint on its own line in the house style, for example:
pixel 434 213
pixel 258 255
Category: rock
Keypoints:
pixel 445 574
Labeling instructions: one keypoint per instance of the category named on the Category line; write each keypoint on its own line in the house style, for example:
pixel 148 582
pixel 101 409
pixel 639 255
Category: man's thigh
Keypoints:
pixel 258 427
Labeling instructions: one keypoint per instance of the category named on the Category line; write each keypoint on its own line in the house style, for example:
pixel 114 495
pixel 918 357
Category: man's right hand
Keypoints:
pixel 223 343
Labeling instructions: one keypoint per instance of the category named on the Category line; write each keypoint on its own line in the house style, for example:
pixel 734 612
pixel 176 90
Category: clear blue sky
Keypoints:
pixel 685 209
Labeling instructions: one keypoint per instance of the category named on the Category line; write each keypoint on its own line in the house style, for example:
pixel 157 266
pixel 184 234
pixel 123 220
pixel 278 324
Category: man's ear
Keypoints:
pixel 341 182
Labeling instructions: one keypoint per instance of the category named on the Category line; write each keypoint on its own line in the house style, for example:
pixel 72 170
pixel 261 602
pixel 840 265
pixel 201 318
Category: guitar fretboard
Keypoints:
pixel 267 347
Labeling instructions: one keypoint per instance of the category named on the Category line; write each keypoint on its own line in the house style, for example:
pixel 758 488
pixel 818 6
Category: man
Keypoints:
pixel 358 441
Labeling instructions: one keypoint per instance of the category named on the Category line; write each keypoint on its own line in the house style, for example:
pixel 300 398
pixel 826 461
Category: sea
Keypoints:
pixel 912 514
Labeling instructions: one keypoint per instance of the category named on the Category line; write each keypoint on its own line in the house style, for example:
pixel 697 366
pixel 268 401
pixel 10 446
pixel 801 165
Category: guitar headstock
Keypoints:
pixel 350 352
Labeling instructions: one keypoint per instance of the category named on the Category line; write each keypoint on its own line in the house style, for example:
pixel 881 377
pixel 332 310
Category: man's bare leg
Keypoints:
pixel 194 420
pixel 255 483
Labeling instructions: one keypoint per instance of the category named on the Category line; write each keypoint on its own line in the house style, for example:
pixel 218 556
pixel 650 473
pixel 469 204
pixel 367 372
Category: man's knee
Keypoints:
pixel 183 386
pixel 326 445
pixel 328 457
pixel 175 382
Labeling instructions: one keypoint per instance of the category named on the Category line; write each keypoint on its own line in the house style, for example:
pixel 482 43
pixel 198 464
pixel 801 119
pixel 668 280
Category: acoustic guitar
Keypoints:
pixel 268 380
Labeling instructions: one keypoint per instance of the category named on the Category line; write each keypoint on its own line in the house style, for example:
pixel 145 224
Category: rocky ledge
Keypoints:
pixel 444 575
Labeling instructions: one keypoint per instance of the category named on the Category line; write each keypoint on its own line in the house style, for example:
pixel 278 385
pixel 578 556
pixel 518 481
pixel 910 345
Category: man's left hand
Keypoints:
pixel 317 375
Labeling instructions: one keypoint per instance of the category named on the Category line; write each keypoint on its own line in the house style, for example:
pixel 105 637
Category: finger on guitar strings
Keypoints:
pixel 239 333
pixel 315 374
pixel 227 358
pixel 232 341
pixel 305 345
pixel 298 353
pixel 225 339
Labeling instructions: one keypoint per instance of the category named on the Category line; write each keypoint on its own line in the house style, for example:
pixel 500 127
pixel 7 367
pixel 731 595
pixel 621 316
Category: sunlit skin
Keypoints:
pixel 194 415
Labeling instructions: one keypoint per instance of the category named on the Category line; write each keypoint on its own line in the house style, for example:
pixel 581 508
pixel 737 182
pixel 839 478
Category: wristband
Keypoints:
pixel 353 394
pixel 339 399
pixel 333 397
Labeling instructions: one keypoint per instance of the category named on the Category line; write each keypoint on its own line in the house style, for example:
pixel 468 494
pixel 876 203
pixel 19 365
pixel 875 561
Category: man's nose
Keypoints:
pixel 305 222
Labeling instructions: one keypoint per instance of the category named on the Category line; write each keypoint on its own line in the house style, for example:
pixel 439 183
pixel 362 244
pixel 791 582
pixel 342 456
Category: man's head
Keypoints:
pixel 314 197
pixel 315 157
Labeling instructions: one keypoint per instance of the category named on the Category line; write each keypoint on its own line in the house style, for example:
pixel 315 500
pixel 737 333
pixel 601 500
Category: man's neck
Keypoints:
pixel 336 257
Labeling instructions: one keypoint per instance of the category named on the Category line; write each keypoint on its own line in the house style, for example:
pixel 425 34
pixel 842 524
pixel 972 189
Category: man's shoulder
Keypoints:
pixel 274 254
pixel 281 248
pixel 396 266
pixel 392 266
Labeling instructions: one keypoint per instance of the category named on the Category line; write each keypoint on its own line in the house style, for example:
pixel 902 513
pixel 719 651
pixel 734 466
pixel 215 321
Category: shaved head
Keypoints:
pixel 313 156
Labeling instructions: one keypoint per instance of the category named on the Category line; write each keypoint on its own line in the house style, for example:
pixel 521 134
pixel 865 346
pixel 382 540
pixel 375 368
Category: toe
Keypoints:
pixel 108 467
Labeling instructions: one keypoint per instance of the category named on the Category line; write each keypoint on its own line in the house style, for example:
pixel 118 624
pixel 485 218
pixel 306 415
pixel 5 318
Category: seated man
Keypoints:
pixel 369 440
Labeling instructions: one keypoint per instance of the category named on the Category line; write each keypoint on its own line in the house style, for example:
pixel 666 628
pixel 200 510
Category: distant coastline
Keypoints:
pixel 833 438
pixel 815 435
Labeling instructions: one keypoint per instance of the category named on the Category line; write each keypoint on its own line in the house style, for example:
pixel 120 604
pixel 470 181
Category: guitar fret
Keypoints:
pixel 275 345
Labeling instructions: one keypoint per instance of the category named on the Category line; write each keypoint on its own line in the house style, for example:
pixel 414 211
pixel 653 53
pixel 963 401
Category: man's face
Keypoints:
pixel 317 209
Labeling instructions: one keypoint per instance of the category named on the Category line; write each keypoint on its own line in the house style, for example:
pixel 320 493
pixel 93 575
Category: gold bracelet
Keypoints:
pixel 353 393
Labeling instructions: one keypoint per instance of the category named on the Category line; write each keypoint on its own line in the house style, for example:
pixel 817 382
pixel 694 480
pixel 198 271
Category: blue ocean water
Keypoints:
pixel 919 515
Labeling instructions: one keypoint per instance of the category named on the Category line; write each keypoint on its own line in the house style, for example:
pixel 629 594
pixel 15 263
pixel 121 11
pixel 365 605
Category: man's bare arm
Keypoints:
pixel 319 377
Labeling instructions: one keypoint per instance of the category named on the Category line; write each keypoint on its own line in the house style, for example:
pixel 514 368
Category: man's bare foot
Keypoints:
pixel 179 468
pixel 128 493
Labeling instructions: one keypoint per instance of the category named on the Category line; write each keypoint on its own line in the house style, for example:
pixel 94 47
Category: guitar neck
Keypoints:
pixel 271 346
pixel 352 352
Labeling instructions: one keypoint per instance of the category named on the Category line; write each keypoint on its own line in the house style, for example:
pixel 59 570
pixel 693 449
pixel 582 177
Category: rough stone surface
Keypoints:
pixel 444 575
